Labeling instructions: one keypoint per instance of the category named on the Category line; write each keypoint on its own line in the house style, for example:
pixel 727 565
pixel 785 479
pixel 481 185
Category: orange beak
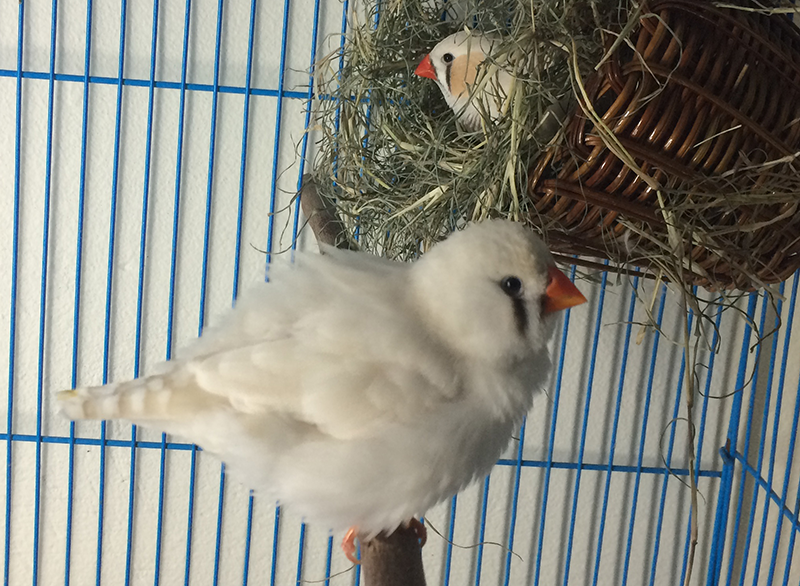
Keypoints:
pixel 561 293
pixel 425 68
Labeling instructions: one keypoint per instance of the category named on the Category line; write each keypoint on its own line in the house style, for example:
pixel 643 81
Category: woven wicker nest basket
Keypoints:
pixel 708 106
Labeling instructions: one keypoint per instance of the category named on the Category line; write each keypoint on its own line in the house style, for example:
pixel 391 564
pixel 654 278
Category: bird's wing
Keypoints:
pixel 354 357
pixel 342 391
pixel 271 311
pixel 333 344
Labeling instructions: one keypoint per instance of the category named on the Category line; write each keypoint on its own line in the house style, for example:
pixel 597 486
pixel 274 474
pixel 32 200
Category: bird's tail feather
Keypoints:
pixel 141 399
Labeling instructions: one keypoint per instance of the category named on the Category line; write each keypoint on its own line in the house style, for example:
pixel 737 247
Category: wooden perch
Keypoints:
pixel 321 215
pixel 394 560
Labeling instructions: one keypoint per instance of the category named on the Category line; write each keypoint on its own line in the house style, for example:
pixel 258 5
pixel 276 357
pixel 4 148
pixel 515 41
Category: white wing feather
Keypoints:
pixel 317 368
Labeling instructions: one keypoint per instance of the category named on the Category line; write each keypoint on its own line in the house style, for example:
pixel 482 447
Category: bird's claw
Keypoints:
pixel 349 545
pixel 349 542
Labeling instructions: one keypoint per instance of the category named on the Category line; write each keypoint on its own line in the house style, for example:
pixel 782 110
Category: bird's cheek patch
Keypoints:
pixel 463 71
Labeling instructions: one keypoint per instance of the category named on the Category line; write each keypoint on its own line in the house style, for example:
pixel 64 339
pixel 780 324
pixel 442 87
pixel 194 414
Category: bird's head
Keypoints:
pixel 494 292
pixel 453 64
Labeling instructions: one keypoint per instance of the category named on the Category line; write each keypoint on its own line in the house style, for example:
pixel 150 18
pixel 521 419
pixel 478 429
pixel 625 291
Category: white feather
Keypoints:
pixel 357 390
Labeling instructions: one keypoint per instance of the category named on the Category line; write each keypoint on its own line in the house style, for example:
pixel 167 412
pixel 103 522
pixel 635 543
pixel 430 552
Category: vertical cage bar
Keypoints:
pixel 212 148
pixel 643 435
pixel 78 275
pixel 245 135
pixel 763 431
pixel 275 534
pixel 723 498
pixel 206 240
pixel 162 481
pixel 795 530
pixel 775 428
pixel 551 441
pixel 112 224
pixel 670 449
pixel 787 471
pixel 358 569
pixel 306 122
pixel 482 530
pixel 328 556
pixel 271 212
pixel 512 525
pixel 139 308
pixel 277 131
pixel 614 428
pixel 173 269
pixel 748 435
pixel 247 542
pixel 12 327
pixel 587 403
pixel 190 514
pixel 131 499
pixel 448 558
pixel 48 167
pixel 701 434
pixel 239 216
pixel 218 538
pixel 300 547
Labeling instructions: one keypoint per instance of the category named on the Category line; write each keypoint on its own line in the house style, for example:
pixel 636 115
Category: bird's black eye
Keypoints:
pixel 447 57
pixel 512 287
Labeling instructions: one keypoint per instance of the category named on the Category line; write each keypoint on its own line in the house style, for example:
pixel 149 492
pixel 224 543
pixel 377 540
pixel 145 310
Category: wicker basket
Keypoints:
pixel 709 96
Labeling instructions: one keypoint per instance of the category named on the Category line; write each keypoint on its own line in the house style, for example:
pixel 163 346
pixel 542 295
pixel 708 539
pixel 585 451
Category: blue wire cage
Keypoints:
pixel 149 158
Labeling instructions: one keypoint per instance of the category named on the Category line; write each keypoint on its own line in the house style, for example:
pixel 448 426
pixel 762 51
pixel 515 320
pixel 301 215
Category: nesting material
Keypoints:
pixel 685 149
pixel 677 154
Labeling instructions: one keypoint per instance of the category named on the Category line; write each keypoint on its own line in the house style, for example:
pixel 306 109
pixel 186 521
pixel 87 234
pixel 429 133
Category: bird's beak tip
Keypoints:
pixel 561 293
pixel 425 68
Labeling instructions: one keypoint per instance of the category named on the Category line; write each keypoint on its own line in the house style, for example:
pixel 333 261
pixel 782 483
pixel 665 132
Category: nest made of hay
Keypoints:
pixel 679 155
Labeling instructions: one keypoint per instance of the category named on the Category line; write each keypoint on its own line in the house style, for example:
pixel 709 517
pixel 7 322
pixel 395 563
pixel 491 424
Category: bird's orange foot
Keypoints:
pixel 419 529
pixel 349 545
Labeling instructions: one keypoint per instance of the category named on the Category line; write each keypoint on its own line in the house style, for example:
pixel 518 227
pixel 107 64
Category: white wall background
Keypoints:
pixel 174 504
